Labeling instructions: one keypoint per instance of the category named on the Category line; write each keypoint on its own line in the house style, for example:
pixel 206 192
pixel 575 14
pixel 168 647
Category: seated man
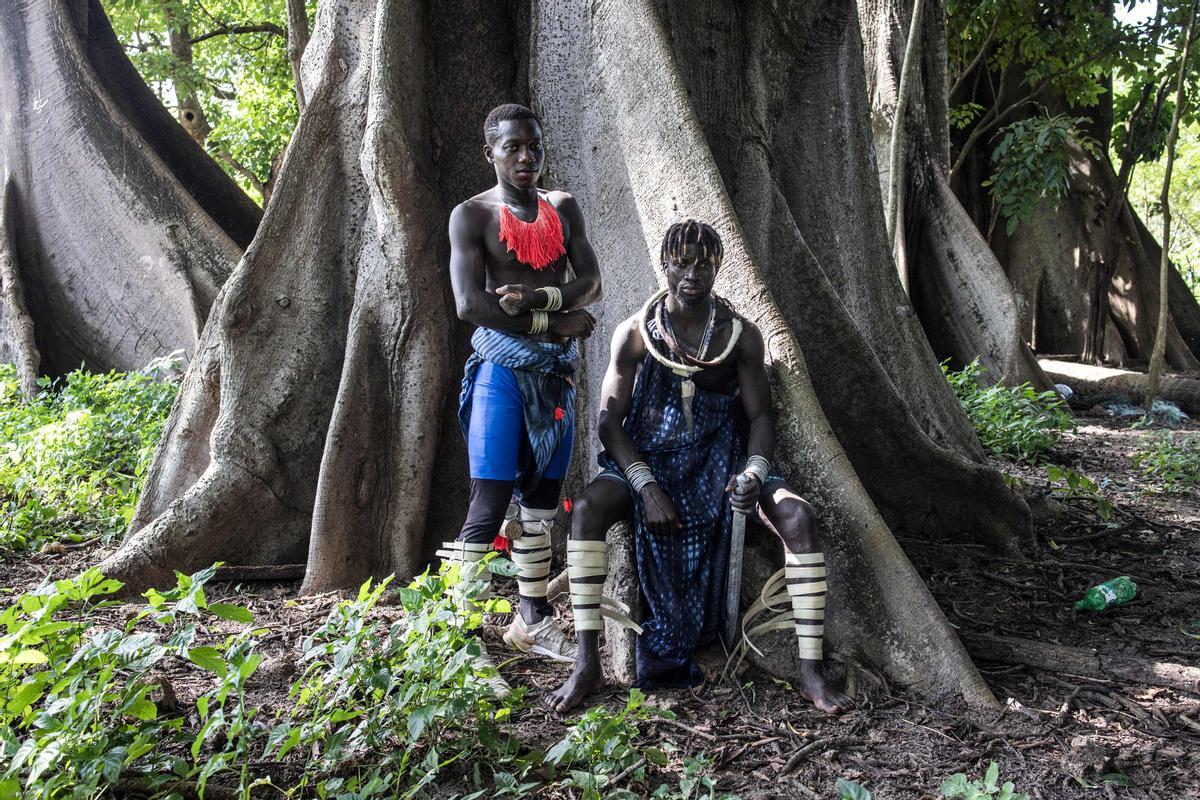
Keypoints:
pixel 681 374
pixel 510 247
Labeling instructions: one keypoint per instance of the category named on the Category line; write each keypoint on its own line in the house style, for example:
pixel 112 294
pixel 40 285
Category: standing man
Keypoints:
pixel 685 419
pixel 510 248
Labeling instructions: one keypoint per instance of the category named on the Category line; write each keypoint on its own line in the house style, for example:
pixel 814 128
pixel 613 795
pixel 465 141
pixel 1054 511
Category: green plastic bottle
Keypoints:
pixel 1108 594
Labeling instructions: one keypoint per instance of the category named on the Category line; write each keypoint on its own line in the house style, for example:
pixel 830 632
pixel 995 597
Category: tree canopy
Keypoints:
pixel 235 64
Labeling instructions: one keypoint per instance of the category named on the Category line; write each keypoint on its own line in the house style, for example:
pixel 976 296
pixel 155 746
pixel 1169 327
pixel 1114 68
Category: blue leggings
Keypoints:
pixel 496 433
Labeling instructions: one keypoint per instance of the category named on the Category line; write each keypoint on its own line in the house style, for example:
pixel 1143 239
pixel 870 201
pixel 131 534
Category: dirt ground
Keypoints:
pixel 1059 735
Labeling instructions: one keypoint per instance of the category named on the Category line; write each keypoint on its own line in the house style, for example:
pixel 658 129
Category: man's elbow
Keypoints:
pixel 467 310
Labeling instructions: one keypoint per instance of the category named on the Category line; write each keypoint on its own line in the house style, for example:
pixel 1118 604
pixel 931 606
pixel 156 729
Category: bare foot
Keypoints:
pixel 817 688
pixel 582 682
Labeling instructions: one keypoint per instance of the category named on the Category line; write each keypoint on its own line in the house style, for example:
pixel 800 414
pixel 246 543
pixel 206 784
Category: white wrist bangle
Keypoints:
pixel 553 298
pixel 759 467
pixel 639 475
pixel 541 321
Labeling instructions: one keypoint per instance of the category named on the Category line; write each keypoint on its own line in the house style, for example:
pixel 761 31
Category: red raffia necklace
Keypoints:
pixel 538 243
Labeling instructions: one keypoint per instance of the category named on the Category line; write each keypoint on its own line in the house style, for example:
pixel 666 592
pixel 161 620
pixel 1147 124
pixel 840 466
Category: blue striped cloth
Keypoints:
pixel 544 373
pixel 682 574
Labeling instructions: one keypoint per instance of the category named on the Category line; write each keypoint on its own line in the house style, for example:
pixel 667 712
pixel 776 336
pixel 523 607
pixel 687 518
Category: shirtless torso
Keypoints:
pixel 492 288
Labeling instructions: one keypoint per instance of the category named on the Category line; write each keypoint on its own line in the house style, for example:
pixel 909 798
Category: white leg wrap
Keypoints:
pixel 531 552
pixel 805 576
pixel 467 556
pixel 801 585
pixel 588 559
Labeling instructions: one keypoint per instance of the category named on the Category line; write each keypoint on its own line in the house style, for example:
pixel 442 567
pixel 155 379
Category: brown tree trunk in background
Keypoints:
pixel 1057 260
pixel 1158 355
pixel 956 285
pixel 297 16
pixel 190 112
pixel 119 229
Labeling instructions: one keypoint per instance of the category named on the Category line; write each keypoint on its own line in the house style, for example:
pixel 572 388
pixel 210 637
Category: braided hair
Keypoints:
pixel 691 232
pixel 677 245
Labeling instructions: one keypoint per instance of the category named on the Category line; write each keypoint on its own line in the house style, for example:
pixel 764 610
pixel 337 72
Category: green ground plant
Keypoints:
pixel 987 788
pixel 74 458
pixel 389 704
pixel 79 718
pixel 957 785
pixel 1173 460
pixel 1011 421
pixel 1067 484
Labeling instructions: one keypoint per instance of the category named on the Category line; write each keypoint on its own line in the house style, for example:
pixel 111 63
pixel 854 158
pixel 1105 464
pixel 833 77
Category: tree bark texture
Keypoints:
pixel 311 419
pixel 1056 260
pixel 118 227
pixel 958 288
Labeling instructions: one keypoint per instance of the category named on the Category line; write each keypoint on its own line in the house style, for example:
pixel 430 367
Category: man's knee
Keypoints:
pixel 592 514
pixel 797 524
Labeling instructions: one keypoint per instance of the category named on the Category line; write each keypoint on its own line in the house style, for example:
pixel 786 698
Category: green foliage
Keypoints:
pixel 1067 484
pixel 1147 131
pixel 390 704
pixel 1069 45
pixel 600 746
pixel 1031 162
pixel 852 790
pixel 987 788
pixel 243 80
pixel 963 115
pixel 406 693
pixel 73 460
pixel 1145 191
pixel 79 715
pixel 1172 459
pixel 1018 421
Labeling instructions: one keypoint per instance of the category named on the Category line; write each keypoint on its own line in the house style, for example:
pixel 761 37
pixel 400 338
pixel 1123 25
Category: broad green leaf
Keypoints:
pixel 208 658
pixel 231 612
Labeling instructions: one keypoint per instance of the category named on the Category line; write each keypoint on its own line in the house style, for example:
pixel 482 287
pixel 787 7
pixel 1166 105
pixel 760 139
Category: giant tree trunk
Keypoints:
pixel 118 230
pixel 305 425
pixel 1056 260
pixel 962 297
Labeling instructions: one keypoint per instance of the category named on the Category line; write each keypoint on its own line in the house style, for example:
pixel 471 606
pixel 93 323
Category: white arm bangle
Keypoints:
pixel 759 467
pixel 553 298
pixel 639 475
pixel 541 321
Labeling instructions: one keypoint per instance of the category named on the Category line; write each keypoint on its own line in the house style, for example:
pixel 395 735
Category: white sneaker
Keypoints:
pixel 544 639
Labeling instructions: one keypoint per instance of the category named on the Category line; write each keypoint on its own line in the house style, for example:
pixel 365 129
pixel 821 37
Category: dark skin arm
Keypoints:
pixel 616 396
pixel 584 290
pixel 756 400
pixel 468 278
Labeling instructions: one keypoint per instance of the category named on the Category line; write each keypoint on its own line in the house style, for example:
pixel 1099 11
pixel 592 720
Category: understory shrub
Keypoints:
pixel 1012 421
pixel 74 458
pixel 1172 459
pixel 79 715
pixel 388 704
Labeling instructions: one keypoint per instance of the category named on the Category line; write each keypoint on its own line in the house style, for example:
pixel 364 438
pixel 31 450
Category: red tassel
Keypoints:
pixel 567 505
pixel 538 243
pixel 558 413
pixel 502 544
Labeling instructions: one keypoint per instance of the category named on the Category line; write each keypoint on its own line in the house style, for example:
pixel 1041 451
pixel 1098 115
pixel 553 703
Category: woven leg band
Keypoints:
pixel 531 552
pixel 467 556
pixel 801 585
pixel 806 585
pixel 588 559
